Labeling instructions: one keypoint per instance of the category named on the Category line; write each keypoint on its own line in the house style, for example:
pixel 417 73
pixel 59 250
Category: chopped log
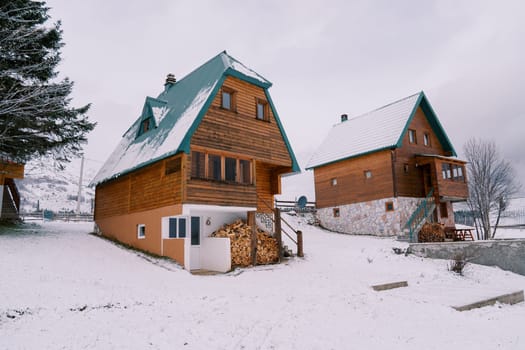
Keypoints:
pixel 432 232
pixel 240 235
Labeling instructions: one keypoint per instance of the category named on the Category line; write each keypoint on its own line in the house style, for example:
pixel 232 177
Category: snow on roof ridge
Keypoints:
pixel 380 108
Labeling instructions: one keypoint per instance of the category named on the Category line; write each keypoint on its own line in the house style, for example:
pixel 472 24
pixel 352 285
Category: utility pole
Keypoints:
pixel 80 185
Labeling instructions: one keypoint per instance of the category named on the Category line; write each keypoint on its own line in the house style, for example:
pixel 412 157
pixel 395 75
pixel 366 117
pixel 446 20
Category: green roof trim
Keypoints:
pixel 295 164
pixel 185 144
pixel 433 120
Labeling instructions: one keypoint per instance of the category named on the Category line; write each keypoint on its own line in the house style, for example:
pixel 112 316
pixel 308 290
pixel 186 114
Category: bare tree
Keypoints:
pixel 491 184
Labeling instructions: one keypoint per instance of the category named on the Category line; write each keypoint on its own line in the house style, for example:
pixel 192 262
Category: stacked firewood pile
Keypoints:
pixel 432 232
pixel 240 241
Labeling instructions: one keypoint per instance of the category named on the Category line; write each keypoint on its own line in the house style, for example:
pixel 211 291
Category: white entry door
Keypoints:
pixel 195 239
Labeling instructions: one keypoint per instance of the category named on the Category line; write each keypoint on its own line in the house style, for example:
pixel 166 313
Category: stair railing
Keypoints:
pixel 278 228
pixel 14 194
pixel 421 213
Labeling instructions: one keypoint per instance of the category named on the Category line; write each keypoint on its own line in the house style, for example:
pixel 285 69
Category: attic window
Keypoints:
pixel 412 136
pixel 145 125
pixel 262 110
pixel 426 139
pixel 228 99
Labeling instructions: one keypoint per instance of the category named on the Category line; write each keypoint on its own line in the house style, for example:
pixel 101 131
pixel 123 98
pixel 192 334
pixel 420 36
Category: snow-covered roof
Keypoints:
pixel 380 129
pixel 177 112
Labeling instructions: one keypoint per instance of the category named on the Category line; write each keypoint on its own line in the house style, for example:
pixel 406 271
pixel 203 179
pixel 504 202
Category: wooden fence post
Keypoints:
pixel 300 252
pixel 278 234
pixel 253 224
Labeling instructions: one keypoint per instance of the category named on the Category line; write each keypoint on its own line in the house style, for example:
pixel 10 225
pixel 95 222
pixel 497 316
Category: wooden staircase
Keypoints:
pixel 419 217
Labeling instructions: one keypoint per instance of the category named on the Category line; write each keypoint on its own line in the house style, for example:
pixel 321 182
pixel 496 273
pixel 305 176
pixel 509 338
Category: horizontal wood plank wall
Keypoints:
pixel 352 186
pixel 240 132
pixel 266 178
pixel 145 189
pixel 449 187
pixel 410 184
pixel 11 170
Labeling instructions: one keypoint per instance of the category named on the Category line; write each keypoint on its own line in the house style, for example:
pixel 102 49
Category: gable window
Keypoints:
pixel 141 231
pixel 245 171
pixel 426 139
pixel 221 168
pixel 389 206
pixel 262 110
pixel 334 181
pixel 230 169
pixel 228 98
pixel 368 174
pixel 145 126
pixel 214 167
pixel 412 136
pixel 336 212
pixel 198 163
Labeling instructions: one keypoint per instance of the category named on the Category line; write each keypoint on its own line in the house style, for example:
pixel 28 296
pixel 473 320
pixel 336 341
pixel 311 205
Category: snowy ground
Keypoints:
pixel 63 288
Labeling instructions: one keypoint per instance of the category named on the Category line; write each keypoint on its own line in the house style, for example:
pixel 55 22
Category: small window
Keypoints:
pixel 177 227
pixel 336 212
pixel 443 210
pixel 412 136
pixel 426 139
pixel 172 166
pixel 406 168
pixel 389 206
pixel 262 110
pixel 230 169
pixel 445 170
pixel 141 231
pixel 334 181
pixel 214 167
pixel 145 126
pixel 368 174
pixel 198 165
pixel 228 99
pixel 182 228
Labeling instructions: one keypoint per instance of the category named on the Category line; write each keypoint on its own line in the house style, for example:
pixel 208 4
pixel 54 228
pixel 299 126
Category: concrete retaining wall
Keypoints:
pixel 506 254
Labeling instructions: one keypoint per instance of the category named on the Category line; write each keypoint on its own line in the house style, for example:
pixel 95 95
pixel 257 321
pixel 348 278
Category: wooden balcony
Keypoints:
pixel 446 175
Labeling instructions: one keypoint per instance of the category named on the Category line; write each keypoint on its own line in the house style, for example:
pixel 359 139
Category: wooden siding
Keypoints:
pixel 239 131
pixel 410 184
pixel 145 189
pixel 352 186
pixel 10 170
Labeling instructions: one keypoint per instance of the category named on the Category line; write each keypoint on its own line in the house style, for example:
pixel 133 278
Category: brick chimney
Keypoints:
pixel 170 79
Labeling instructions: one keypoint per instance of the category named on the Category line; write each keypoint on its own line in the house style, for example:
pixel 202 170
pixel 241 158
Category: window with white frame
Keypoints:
pixel 141 231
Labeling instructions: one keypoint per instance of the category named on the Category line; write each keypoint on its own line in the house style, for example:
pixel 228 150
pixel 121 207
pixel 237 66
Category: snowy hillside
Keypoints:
pixel 111 298
pixel 45 187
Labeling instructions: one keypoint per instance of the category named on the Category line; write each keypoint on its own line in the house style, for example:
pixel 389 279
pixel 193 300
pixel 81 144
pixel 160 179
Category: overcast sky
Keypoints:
pixel 324 58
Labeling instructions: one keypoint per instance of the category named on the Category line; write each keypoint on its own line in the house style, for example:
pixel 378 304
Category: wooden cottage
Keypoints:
pixel 9 196
pixel 208 150
pixel 388 171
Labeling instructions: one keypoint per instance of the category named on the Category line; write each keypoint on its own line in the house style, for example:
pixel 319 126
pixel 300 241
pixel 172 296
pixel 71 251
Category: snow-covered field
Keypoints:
pixel 61 288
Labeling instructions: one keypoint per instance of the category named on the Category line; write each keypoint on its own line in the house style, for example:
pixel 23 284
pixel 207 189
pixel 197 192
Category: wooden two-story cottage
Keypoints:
pixel 9 195
pixel 388 171
pixel 208 150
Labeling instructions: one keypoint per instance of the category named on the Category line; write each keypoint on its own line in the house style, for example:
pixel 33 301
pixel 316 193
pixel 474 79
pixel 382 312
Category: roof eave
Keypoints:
pixel 352 156
pixel 235 73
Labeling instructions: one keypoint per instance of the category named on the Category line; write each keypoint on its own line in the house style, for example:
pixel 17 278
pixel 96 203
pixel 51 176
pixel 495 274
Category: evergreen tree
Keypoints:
pixel 36 118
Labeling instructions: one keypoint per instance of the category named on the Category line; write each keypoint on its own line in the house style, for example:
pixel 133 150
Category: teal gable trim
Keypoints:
pixel 295 164
pixel 412 114
pixel 246 78
pixel 354 156
pixel 185 144
pixel 433 120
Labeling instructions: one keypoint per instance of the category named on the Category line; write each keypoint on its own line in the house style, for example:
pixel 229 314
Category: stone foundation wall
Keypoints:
pixel 369 218
pixel 506 254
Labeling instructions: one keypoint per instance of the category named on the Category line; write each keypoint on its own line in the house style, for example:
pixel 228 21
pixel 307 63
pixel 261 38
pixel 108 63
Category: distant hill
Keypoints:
pixel 45 187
